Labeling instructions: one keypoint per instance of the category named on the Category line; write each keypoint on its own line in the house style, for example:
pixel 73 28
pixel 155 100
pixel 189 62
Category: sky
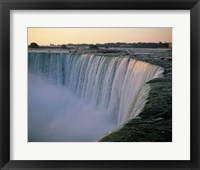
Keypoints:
pixel 47 36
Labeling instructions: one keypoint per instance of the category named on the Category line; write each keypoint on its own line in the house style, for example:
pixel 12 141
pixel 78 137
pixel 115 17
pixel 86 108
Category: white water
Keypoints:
pixel 81 97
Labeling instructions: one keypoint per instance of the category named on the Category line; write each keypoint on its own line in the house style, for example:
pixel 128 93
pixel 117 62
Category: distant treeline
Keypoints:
pixel 109 45
pixel 136 45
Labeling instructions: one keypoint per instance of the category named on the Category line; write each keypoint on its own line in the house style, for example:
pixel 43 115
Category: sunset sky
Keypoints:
pixel 46 36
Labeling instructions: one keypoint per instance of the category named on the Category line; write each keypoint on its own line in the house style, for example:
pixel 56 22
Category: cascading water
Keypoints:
pixel 114 87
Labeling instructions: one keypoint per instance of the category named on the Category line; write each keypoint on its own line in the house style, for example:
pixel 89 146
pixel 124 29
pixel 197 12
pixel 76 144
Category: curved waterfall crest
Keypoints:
pixel 116 84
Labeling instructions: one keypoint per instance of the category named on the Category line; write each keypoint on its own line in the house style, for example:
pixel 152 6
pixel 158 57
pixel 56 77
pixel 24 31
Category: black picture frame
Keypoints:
pixel 7 5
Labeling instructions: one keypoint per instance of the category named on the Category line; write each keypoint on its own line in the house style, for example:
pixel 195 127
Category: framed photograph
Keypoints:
pixel 99 84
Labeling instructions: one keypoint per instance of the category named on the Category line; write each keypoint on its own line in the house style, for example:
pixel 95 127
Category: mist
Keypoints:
pixel 55 114
pixel 109 88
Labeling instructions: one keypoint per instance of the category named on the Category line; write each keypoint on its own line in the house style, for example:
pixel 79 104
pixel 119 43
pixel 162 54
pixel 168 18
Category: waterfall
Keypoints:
pixel 114 83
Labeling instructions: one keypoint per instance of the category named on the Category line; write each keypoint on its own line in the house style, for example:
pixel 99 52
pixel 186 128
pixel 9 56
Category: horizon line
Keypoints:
pixel 99 43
